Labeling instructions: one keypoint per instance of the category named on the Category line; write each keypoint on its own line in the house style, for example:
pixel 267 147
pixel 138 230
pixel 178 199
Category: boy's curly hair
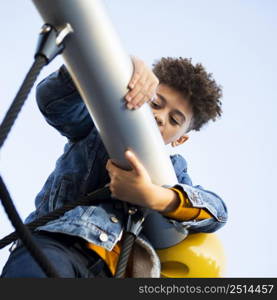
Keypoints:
pixel 195 84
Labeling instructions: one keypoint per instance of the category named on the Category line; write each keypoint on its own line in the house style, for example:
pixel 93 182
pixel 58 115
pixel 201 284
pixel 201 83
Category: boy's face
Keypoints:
pixel 173 114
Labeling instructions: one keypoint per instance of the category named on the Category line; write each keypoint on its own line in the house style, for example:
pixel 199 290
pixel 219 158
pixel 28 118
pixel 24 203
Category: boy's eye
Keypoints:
pixel 154 104
pixel 174 121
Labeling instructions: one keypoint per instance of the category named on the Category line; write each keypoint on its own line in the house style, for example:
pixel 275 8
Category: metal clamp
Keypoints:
pixel 136 217
pixel 50 42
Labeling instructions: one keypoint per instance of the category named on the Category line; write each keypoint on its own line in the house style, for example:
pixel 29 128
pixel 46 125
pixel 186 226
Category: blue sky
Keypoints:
pixel 234 157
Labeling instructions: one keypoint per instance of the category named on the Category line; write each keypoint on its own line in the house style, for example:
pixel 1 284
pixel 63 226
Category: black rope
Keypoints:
pixel 7 202
pixel 24 232
pixel 93 198
pixel 136 217
pixel 127 245
pixel 20 98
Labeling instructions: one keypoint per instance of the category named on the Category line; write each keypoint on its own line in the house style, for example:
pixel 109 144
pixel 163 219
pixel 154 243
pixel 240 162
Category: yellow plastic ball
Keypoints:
pixel 199 255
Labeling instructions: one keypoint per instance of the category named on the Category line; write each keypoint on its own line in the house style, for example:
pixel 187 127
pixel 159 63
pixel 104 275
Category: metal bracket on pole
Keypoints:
pixel 50 42
pixel 136 217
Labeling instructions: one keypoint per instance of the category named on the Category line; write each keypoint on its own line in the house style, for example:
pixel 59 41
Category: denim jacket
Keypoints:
pixel 81 169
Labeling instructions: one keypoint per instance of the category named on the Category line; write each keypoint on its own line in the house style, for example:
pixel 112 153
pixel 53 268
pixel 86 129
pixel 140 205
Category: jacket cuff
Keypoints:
pixel 184 211
pixel 195 200
pixel 181 206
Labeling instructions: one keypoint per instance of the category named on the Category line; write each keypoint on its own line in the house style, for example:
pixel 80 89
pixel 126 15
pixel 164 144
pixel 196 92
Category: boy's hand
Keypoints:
pixel 142 85
pixel 135 186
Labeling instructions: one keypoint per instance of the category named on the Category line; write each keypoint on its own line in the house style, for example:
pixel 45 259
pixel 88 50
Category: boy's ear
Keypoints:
pixel 180 140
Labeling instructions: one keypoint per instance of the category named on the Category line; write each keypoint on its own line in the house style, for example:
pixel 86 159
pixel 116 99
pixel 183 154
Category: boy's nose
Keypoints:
pixel 159 120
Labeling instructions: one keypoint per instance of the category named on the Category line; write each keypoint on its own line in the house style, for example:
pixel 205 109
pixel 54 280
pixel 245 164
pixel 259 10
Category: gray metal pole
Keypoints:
pixel 101 70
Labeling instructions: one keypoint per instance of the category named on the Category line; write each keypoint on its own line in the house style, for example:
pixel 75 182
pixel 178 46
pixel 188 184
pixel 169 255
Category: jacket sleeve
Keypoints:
pixel 199 198
pixel 62 106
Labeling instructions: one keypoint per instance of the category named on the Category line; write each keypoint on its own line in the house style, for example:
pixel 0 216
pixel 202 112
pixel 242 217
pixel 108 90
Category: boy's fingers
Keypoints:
pixel 139 86
pixel 107 164
pixel 134 80
pixel 114 170
pixel 138 68
pixel 110 166
pixel 143 85
pixel 135 163
pixel 147 97
pixel 144 91
pixel 137 102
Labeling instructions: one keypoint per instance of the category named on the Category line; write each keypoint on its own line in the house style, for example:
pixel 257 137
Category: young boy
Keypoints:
pixel 86 241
